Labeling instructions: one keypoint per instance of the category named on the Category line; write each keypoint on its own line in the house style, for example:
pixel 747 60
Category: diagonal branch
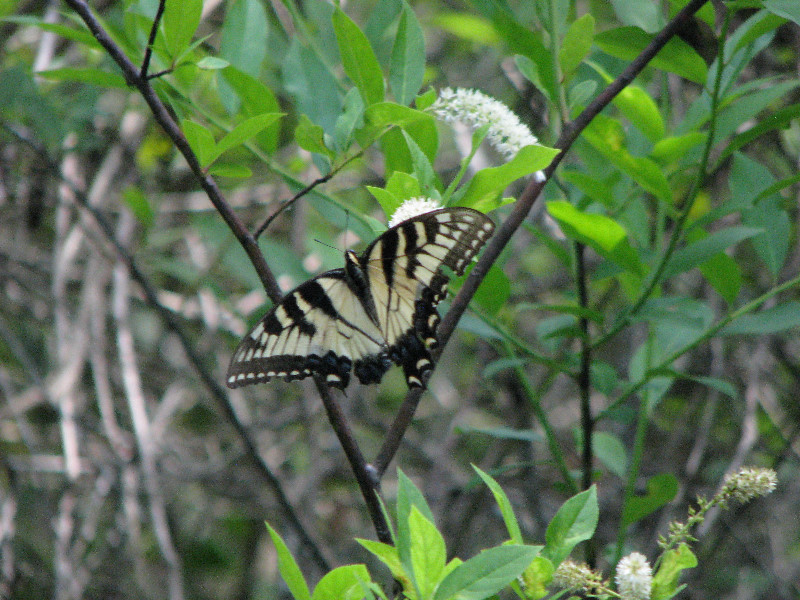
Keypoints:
pixel 164 118
pixel 518 213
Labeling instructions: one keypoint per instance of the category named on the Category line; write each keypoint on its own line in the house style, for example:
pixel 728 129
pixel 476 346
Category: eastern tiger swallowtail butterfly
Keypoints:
pixel 377 310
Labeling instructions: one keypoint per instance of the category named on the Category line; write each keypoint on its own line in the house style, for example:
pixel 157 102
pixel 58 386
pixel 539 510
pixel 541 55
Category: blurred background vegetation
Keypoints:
pixel 122 473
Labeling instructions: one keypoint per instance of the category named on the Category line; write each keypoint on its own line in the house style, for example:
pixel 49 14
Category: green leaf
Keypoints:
pixel 244 35
pixel 771 320
pixel 676 56
pixel 589 185
pixel 179 22
pixel 772 245
pixel 403 186
pixel 641 110
pixel 574 522
pixel 580 93
pixel 758 25
pixel 93 76
pixel 788 9
pixel 576 44
pixel 253 98
pixel 244 131
pixel 665 581
pixel 200 140
pixel 311 83
pixel 388 201
pixel 387 554
pixel 671 149
pixel 82 36
pixel 385 114
pixel 645 15
pixel 488 184
pixel 494 291
pixel 724 274
pixel 358 59
pixel 139 205
pixel 731 118
pixel 606 136
pixel 605 380
pixel 780 119
pixel 530 71
pixel 487 573
pixel 610 450
pixel 661 489
pixel 722 386
pixel 311 137
pixel 428 552
pixel 212 63
pixel 605 235
pixel 408 497
pixel 467 26
pixel 407 68
pixel 504 503
pixel 702 250
pixel 288 567
pixel 504 433
pixel 352 118
pixel 342 583
pixel 748 180
pixel 423 170
pixel 232 170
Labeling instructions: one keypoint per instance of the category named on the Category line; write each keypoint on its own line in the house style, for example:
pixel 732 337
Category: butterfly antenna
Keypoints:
pixel 327 245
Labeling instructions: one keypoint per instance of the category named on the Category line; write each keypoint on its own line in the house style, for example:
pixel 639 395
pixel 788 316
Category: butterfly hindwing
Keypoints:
pixel 380 309
pixel 404 267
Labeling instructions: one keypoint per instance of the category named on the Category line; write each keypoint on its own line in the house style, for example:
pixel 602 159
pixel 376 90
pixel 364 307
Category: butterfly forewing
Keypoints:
pixel 406 279
pixel 334 324
pixel 317 328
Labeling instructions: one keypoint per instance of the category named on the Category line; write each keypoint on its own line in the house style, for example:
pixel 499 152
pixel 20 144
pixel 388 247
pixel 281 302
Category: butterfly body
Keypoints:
pixel 379 309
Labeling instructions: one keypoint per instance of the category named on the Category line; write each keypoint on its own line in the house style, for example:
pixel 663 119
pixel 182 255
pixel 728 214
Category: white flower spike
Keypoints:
pixel 507 134
pixel 411 208
pixel 634 577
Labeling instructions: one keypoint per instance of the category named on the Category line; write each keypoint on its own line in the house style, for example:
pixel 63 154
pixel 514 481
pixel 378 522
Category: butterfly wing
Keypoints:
pixel 319 327
pixel 404 268
pixel 383 311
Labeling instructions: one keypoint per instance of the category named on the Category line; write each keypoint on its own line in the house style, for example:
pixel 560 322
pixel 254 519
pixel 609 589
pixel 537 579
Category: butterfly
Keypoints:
pixel 379 309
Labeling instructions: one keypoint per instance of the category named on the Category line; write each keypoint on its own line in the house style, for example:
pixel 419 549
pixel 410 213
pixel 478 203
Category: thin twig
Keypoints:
pixel 317 182
pixel 518 213
pixel 148 53
pixel 290 202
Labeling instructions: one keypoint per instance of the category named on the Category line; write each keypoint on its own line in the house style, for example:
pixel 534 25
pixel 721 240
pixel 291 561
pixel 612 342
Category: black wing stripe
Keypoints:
pixel 389 243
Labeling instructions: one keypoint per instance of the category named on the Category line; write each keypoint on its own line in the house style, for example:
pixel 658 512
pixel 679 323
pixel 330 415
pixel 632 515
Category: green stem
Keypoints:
pixel 636 460
pixel 534 398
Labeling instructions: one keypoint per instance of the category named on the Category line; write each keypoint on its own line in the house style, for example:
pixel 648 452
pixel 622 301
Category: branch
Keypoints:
pixel 164 118
pixel 518 213
pixel 151 40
